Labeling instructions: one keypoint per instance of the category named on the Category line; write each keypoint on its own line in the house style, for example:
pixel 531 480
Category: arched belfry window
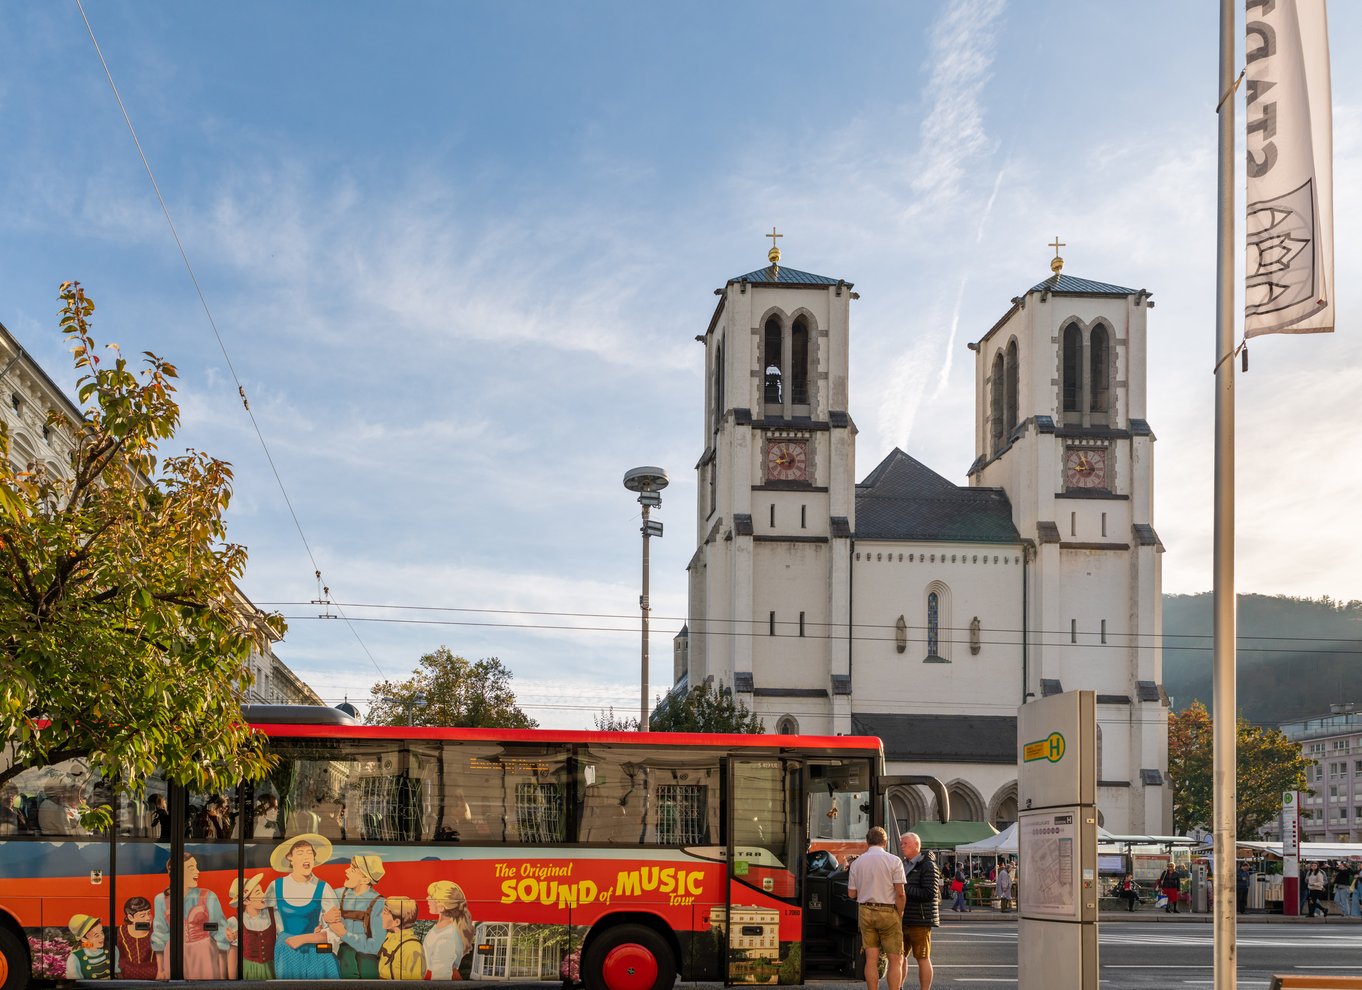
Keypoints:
pixel 1010 390
pixel 1073 374
pixel 995 402
pixel 772 355
pixel 1099 356
pixel 799 362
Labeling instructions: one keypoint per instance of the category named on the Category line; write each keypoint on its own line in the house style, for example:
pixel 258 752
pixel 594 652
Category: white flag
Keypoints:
pixel 1289 264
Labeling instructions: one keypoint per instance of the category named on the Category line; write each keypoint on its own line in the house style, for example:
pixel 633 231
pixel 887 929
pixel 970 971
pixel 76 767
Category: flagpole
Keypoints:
pixel 1226 714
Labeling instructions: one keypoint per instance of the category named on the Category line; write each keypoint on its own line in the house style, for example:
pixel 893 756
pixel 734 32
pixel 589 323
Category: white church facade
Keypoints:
pixel 911 608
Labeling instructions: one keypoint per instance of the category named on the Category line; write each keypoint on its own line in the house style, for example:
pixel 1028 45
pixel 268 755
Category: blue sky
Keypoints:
pixel 458 254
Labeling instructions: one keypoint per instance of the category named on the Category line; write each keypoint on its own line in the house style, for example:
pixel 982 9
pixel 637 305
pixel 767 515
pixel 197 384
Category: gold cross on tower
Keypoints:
pixel 773 255
pixel 1058 264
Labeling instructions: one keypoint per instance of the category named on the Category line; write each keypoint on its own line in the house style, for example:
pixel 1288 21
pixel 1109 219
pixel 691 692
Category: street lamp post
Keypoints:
pixel 648 482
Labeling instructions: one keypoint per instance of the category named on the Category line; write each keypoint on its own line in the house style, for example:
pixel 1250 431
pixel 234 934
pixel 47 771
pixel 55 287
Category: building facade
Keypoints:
pixel 1333 813
pixel 27 395
pixel 912 608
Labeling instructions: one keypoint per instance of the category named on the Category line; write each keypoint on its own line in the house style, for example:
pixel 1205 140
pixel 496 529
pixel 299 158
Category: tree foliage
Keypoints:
pixel 704 708
pixel 446 689
pixel 123 635
pixel 1268 764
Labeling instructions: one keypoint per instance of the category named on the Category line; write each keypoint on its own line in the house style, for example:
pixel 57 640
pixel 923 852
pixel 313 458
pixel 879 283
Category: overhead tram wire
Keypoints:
pixel 1051 638
pixel 203 301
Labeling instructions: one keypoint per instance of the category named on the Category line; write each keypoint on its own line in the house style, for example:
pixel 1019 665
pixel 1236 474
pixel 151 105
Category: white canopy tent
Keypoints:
pixel 1005 842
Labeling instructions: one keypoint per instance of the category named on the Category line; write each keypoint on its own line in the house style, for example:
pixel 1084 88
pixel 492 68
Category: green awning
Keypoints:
pixel 948 835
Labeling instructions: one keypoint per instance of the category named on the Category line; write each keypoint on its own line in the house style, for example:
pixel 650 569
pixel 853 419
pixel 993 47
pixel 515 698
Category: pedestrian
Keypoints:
pixel 876 882
pixel 1314 890
pixel 958 889
pixel 1169 884
pixel 1129 891
pixel 922 908
pixel 1343 881
pixel 1242 882
pixel 1004 882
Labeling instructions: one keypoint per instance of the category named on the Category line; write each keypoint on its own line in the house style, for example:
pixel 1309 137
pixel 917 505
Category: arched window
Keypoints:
pixel 995 412
pixel 718 384
pixel 787 725
pixel 1099 356
pixel 933 624
pixel 799 362
pixel 1073 372
pixel 772 355
pixel 938 620
pixel 1010 390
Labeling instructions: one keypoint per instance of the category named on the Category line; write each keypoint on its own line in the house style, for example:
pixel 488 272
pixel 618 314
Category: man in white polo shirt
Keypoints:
pixel 876 882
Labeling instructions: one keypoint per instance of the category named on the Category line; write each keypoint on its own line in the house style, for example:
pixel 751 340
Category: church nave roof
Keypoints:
pixel 780 275
pixel 903 499
pixel 1068 285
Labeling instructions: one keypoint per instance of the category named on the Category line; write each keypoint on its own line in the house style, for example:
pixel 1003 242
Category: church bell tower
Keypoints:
pixel 1060 427
pixel 769 598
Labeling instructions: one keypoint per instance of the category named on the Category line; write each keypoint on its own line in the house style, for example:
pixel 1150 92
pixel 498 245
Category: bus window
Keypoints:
pixel 648 796
pixel 46 800
pixel 358 791
pixel 147 817
pixel 495 793
pixel 762 808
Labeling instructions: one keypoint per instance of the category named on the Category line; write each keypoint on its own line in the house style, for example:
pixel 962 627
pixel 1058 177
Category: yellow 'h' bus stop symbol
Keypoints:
pixel 1050 748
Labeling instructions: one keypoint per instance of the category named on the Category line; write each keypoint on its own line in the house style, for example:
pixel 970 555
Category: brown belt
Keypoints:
pixel 877 904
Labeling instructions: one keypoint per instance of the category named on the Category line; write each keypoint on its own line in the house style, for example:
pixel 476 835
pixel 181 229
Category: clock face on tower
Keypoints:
pixel 787 460
pixel 1085 467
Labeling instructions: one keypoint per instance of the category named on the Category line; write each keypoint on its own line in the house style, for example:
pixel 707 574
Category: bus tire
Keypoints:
pixel 14 965
pixel 628 957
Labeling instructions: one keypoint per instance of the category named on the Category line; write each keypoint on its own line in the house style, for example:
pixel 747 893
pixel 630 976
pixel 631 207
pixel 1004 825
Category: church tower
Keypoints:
pixel 769 589
pixel 1060 427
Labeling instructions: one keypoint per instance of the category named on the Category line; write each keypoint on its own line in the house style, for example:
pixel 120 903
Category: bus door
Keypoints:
pixel 840 810
pixel 765 852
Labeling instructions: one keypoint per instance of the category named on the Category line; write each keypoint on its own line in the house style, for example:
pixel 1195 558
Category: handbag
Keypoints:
pixel 1161 901
pixel 957 885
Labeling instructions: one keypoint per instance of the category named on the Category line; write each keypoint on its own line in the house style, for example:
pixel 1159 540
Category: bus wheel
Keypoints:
pixel 628 957
pixel 13 960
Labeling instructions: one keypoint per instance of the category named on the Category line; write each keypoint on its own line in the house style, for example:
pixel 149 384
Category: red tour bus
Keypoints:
pixel 616 860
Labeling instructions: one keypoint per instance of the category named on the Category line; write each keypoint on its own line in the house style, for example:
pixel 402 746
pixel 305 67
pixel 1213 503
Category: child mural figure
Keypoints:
pixel 135 959
pixel 205 929
pixel 88 961
pixel 401 956
pixel 358 919
pixel 302 947
pixel 449 940
pixel 254 929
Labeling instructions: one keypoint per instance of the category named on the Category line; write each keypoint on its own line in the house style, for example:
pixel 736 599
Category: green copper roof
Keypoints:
pixel 771 275
pixel 1070 286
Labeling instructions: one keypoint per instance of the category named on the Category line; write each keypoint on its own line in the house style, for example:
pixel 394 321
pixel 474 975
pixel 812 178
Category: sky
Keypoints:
pixel 457 256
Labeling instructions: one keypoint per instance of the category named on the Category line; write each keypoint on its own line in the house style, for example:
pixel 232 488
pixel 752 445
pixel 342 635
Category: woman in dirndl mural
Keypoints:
pixel 303 950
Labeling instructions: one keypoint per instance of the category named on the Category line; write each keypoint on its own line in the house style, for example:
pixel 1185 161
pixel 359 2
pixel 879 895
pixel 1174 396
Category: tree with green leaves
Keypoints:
pixel 125 640
pixel 1268 764
pixel 447 689
pixel 704 708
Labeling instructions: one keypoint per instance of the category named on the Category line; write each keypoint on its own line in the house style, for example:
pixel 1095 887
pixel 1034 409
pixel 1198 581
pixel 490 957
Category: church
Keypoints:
pixel 911 608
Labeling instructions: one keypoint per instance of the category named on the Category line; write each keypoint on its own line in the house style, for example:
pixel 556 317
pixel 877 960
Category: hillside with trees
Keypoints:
pixel 1297 656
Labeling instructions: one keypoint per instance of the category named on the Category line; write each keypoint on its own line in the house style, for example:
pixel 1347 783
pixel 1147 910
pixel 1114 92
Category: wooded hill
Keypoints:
pixel 1297 656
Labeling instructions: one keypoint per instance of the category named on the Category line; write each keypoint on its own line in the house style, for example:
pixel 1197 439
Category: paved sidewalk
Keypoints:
pixel 1150 914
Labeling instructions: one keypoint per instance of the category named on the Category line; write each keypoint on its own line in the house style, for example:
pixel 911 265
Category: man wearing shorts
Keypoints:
pixel 922 912
pixel 876 882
